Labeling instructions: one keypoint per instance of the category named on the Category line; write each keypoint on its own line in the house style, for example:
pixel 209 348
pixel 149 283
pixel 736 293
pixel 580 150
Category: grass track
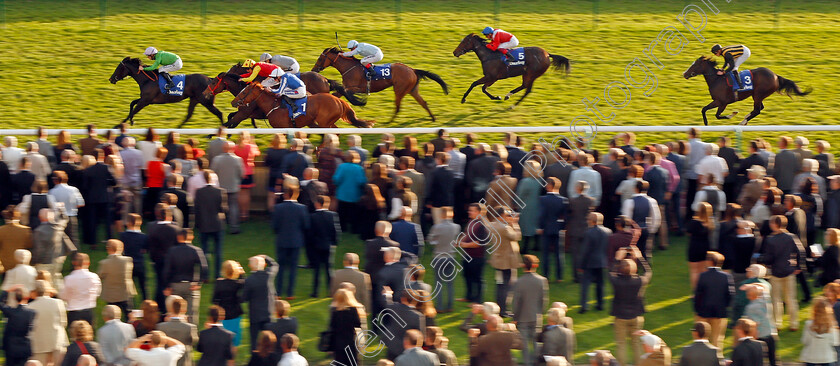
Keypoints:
pixel 58 55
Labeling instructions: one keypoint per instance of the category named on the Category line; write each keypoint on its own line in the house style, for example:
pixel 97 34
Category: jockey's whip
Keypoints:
pixel 337 42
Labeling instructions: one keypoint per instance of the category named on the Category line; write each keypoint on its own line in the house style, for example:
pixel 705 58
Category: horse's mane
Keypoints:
pixel 710 59
pixel 477 37
pixel 332 49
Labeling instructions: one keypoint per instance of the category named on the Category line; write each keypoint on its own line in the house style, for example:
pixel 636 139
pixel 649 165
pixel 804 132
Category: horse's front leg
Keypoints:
pixel 711 105
pixel 473 85
pixel 487 85
pixel 131 109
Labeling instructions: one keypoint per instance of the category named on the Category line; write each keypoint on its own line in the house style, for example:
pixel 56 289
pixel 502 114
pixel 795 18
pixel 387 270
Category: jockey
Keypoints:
pixel 369 53
pixel 165 63
pixel 733 57
pixel 259 69
pixel 287 63
pixel 288 87
pixel 500 40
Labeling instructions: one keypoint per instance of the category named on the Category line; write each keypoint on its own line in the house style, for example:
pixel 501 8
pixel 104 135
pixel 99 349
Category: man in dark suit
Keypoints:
pixel 162 235
pixel 479 172
pixel 22 181
pixel 413 354
pixel 89 144
pixel 747 163
pixel 712 296
pixel 283 323
pixel 374 260
pixel 136 244
pixel 732 159
pixel 311 188
pixel 360 280
pixel 593 260
pixel 258 292
pixel 515 154
pixel 405 311
pixel 554 209
pixel 291 223
pixel 74 174
pixel 494 348
pixel 561 169
pixel 322 240
pixel 701 352
pixel 5 183
pixel 439 192
pixel 97 182
pixel 579 209
pixel 295 161
pixel 440 141
pixel 530 298
pixel 748 351
pixel 786 165
pixel 173 185
pixel 19 322
pixel 215 343
pixel 185 272
pixel 784 253
pixel 408 234
pixel 392 276
pixel 210 208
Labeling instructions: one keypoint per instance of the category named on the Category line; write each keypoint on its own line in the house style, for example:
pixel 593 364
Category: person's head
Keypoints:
pixel 714 259
pixel 266 343
pixel 756 271
pixel 832 236
pixel 700 330
pixel 489 310
pixel 744 328
pixel 81 261
pixel 232 270
pixel 493 323
pixel 215 314
pixel 343 299
pixel 412 338
pixel 256 263
pixel 627 267
pixel 40 289
pixel 391 254
pixel 778 223
pixel 282 308
pixel 582 187
pixel 831 291
pixel 693 133
pixel 134 222
pixel 86 360
pixel 530 262
pixel 110 312
pixel 114 246
pixel 289 342
pixel 642 186
pixel 822 146
pixel 156 340
pixel 351 260
pixel 23 256
pixel 601 358
pixel 81 331
pixel 822 317
pixel 553 184
pixel 651 343
pixel 382 228
pixel 555 316
pixel 442 158
pixel 595 219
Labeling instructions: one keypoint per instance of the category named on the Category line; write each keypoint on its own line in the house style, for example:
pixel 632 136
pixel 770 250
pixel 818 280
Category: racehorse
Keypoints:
pixel 765 83
pixel 150 91
pixel 323 110
pixel 315 83
pixel 404 79
pixel 537 61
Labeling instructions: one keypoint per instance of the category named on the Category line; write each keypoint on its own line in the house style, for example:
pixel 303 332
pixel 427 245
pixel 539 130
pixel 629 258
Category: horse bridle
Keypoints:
pixel 136 72
pixel 221 82
pixel 337 55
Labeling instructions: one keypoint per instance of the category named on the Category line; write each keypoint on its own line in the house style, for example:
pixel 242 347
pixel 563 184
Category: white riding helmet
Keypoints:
pixel 265 57
pixel 352 44
pixel 150 51
pixel 276 73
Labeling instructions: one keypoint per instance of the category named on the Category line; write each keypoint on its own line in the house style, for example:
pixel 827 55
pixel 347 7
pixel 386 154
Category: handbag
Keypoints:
pixel 325 341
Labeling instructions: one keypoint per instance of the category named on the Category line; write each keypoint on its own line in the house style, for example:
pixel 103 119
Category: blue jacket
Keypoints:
pixel 713 293
pixel 290 221
pixel 408 234
pixel 349 180
pixel 553 211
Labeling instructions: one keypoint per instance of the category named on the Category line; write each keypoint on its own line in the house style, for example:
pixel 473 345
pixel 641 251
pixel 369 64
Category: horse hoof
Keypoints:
pixel 507 97
pixel 743 123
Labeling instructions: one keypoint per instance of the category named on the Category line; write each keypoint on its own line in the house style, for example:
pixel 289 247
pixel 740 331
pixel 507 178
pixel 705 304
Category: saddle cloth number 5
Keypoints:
pixel 522 56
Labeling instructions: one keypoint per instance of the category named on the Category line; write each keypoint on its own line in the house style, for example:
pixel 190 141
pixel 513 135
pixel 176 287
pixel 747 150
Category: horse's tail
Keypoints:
pixel 423 74
pixel 349 116
pixel 352 98
pixel 788 87
pixel 560 63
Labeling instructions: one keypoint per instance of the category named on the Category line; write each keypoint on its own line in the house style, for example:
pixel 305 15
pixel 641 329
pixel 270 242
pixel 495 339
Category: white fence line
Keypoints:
pixel 432 130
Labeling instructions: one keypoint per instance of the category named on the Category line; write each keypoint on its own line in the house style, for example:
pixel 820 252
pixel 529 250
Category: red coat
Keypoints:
pixel 263 69
pixel 499 36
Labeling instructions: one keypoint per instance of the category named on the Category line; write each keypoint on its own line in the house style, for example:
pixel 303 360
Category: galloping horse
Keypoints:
pixel 537 61
pixel 404 79
pixel 150 91
pixel 323 110
pixel 315 83
pixel 764 81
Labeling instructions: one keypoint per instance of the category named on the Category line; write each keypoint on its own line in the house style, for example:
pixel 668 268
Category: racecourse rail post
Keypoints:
pixel 776 7
pixel 103 10
pixel 397 11
pixel 300 14
pixel 497 8
pixel 203 13
pixel 596 9
pixel 2 14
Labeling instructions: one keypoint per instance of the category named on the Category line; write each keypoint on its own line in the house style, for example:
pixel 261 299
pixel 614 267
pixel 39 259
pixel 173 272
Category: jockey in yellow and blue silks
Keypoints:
pixel 369 53
pixel 289 87
pixel 165 63
pixel 733 57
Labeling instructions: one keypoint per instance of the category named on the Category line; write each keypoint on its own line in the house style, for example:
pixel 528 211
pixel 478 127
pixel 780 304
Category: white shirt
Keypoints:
pixel 70 196
pixel 12 156
pixel 149 149
pixel 40 166
pixel 292 358
pixel 157 356
pixel 81 289
pixel 711 165
pixel 653 220
pixel 702 196
pixel 457 162
pixel 195 183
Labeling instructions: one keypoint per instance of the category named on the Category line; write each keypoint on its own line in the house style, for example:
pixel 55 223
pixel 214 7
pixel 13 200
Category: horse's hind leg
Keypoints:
pixel 190 110
pixel 514 91
pixel 528 83
pixel 757 107
pixel 398 96
pixel 416 94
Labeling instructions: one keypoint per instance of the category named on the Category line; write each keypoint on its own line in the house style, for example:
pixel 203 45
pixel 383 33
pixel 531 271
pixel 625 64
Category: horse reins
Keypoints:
pixel 336 59
pixel 144 71
pixel 213 90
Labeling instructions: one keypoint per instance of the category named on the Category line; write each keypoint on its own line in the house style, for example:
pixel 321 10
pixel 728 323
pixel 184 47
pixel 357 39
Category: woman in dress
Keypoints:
pixel 149 320
pixel 347 316
pixel 247 150
pixel 227 295
pixel 265 354
pixel 699 228
pixel 172 145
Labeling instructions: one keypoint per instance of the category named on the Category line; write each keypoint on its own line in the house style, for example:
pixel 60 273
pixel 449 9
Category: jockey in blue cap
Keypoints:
pixel 500 40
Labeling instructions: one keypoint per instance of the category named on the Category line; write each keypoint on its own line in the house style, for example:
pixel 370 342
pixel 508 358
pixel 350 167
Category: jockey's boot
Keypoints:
pixel 507 54
pixel 169 83
pixel 369 72
pixel 737 80
pixel 291 103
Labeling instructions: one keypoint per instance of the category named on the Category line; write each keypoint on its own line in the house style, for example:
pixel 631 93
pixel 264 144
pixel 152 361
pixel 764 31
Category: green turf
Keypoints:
pixel 57 57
